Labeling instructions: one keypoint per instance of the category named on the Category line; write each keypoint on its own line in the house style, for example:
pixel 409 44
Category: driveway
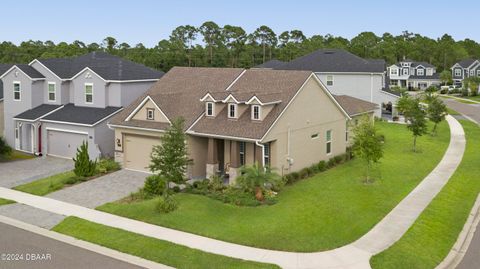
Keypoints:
pixel 470 110
pixel 20 172
pixel 102 190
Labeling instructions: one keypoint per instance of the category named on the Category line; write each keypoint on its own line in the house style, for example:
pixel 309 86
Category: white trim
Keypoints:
pixel 54 91
pixel 19 91
pixel 84 69
pixel 235 111
pixel 255 98
pixel 474 62
pixel 367 73
pixel 456 65
pixel 15 66
pixel 195 122
pixel 328 141
pixel 322 86
pixel 206 96
pixel 85 93
pixel 391 94
pixel 236 138
pixel 361 113
pixel 133 80
pixel 130 116
pixel 66 131
pixel 150 117
pixel 44 115
pixel 232 97
pixel 213 109
pixel 259 112
pixel 134 128
pixel 136 170
pixel 35 60
pixel 235 80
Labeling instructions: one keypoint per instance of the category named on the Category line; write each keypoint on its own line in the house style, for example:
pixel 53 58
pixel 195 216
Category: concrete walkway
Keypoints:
pixel 355 255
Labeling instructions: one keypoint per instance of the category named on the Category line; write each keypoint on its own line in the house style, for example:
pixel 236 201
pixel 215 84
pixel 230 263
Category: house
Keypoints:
pixel 464 69
pixel 53 105
pixel 413 75
pixel 344 73
pixel 272 64
pixel 3 68
pixel 235 117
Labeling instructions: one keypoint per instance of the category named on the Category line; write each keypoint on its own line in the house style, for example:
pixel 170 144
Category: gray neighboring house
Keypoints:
pixel 413 75
pixel 3 69
pixel 53 105
pixel 272 64
pixel 344 73
pixel 464 69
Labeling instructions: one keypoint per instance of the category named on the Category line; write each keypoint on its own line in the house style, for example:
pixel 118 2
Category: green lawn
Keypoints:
pixel 452 112
pixel 149 248
pixel 6 202
pixel 432 236
pixel 17 156
pixel 475 98
pixel 47 185
pixel 326 211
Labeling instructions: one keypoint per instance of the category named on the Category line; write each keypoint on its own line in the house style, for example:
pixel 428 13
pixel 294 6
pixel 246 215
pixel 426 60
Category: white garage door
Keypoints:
pixel 137 151
pixel 64 144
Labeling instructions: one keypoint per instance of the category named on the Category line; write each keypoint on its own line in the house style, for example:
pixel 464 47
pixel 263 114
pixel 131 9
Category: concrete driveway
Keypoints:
pixel 102 190
pixel 20 172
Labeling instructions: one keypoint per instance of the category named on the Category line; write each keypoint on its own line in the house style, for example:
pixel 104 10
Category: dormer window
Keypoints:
pixel 420 72
pixel 232 111
pixel 458 72
pixel 150 114
pixel 210 109
pixel 255 112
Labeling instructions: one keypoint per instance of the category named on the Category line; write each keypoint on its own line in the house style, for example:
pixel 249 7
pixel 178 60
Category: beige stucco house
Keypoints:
pixel 287 120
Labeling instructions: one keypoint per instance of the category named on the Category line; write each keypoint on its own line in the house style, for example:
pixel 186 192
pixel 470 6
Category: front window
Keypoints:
pixel 209 109
pixel 405 71
pixel 329 141
pixel 420 72
pixel 458 72
pixel 16 91
pixel 51 92
pixel 394 71
pixel 150 114
pixel 232 111
pixel 89 93
pixel 256 112
pixel 242 153
pixel 329 80
pixel 266 154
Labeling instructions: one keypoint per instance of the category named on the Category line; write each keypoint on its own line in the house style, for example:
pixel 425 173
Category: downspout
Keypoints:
pixel 263 152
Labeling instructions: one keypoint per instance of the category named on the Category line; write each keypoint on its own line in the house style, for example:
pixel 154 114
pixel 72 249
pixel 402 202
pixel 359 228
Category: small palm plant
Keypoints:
pixel 255 179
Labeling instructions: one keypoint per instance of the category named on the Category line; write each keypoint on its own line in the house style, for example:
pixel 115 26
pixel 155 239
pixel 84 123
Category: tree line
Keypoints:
pixel 231 46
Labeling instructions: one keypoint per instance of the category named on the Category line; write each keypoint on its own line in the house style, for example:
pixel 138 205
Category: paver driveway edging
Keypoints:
pixel 354 255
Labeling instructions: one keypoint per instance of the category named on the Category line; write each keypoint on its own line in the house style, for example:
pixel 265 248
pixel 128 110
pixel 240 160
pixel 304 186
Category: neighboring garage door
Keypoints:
pixel 137 151
pixel 64 144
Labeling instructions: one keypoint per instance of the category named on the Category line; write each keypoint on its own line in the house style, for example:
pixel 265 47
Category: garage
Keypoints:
pixel 137 149
pixel 64 143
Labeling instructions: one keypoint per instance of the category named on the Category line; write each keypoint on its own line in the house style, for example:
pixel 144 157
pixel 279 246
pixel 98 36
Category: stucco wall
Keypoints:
pixel 142 113
pixel 78 88
pixel 60 93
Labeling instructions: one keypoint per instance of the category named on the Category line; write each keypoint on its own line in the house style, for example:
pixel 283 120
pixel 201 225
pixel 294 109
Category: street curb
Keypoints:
pixel 458 98
pixel 84 244
pixel 460 247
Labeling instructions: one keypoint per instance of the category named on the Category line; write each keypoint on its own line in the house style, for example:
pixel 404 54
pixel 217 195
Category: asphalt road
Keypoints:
pixel 30 250
pixel 470 110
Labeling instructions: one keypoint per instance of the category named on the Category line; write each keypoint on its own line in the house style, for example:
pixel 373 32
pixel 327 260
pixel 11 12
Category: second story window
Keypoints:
pixel 420 72
pixel 241 151
pixel 150 114
pixel 394 72
pixel 89 93
pixel 16 91
pixel 329 80
pixel 328 139
pixel 472 72
pixel 232 111
pixel 255 112
pixel 405 71
pixel 51 92
pixel 478 73
pixel 209 109
pixel 458 72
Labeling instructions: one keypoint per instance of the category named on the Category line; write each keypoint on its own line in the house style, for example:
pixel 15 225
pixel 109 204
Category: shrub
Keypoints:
pixel 216 183
pixel 331 163
pixel 176 189
pixel 443 91
pixel 474 93
pixel 464 92
pixel 154 185
pixel 381 138
pixel 5 149
pixel 106 165
pixel 322 166
pixel 314 169
pixel 339 159
pixel 166 204
pixel 84 167
pixel 303 173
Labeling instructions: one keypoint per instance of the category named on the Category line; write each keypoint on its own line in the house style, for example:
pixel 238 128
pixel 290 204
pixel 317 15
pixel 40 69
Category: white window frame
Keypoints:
pixel 54 92
pixel 458 72
pixel 478 73
pixel 328 142
pixel 472 72
pixel 235 110
pixel 420 72
pixel 85 92
pixel 213 109
pixel 404 71
pixel 393 73
pixel 330 80
pixel 259 112
pixel 152 115
pixel 19 91
pixel 314 136
pixel 266 154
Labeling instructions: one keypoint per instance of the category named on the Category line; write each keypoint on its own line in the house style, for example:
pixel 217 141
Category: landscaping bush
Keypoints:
pixel 176 189
pixel 331 163
pixel 322 166
pixel 154 185
pixel 339 159
pixel 107 165
pixel 84 167
pixel 465 92
pixel 474 93
pixel 5 149
pixel 303 173
pixel 166 204
pixel 216 183
pixel 443 91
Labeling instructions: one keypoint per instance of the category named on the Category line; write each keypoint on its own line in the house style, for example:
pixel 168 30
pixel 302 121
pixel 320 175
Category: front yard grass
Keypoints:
pixel 149 248
pixel 329 210
pixel 47 185
pixel 16 156
pixel 433 234
pixel 6 202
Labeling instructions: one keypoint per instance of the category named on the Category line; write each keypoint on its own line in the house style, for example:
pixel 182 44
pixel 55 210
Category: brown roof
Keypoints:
pixel 178 94
pixel 354 106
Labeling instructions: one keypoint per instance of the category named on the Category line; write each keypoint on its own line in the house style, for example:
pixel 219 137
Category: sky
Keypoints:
pixel 148 21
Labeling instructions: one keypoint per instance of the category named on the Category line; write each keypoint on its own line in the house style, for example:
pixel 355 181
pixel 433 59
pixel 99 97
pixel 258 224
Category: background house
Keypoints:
pixel 465 69
pixel 53 105
pixel 413 75
pixel 3 69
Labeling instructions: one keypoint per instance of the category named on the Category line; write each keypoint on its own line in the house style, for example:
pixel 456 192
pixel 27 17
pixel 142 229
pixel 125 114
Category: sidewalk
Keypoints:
pixel 355 255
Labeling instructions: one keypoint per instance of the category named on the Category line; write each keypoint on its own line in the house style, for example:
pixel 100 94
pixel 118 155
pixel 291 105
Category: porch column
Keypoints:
pixel 234 171
pixel 212 158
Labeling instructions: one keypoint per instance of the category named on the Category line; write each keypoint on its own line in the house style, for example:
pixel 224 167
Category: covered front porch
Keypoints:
pixel 28 136
pixel 225 157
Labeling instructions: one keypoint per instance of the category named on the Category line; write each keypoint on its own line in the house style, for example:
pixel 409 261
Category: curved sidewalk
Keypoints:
pixel 355 255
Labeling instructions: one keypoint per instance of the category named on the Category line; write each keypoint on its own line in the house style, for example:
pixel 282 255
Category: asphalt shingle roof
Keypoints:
pixel 466 63
pixel 107 66
pixel 270 64
pixel 81 115
pixel 3 69
pixel 334 60
pixel 30 71
pixel 354 106
pixel 37 112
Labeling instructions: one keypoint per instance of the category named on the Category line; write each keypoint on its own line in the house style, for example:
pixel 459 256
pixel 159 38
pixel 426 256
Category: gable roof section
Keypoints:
pixel 466 63
pixel 29 71
pixel 354 106
pixel 107 66
pixel 274 63
pixel 334 60
pixel 424 64
pixel 77 115
pixel 37 113
pixel 3 69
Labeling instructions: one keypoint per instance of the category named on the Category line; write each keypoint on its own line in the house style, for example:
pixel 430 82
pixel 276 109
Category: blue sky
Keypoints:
pixel 149 21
